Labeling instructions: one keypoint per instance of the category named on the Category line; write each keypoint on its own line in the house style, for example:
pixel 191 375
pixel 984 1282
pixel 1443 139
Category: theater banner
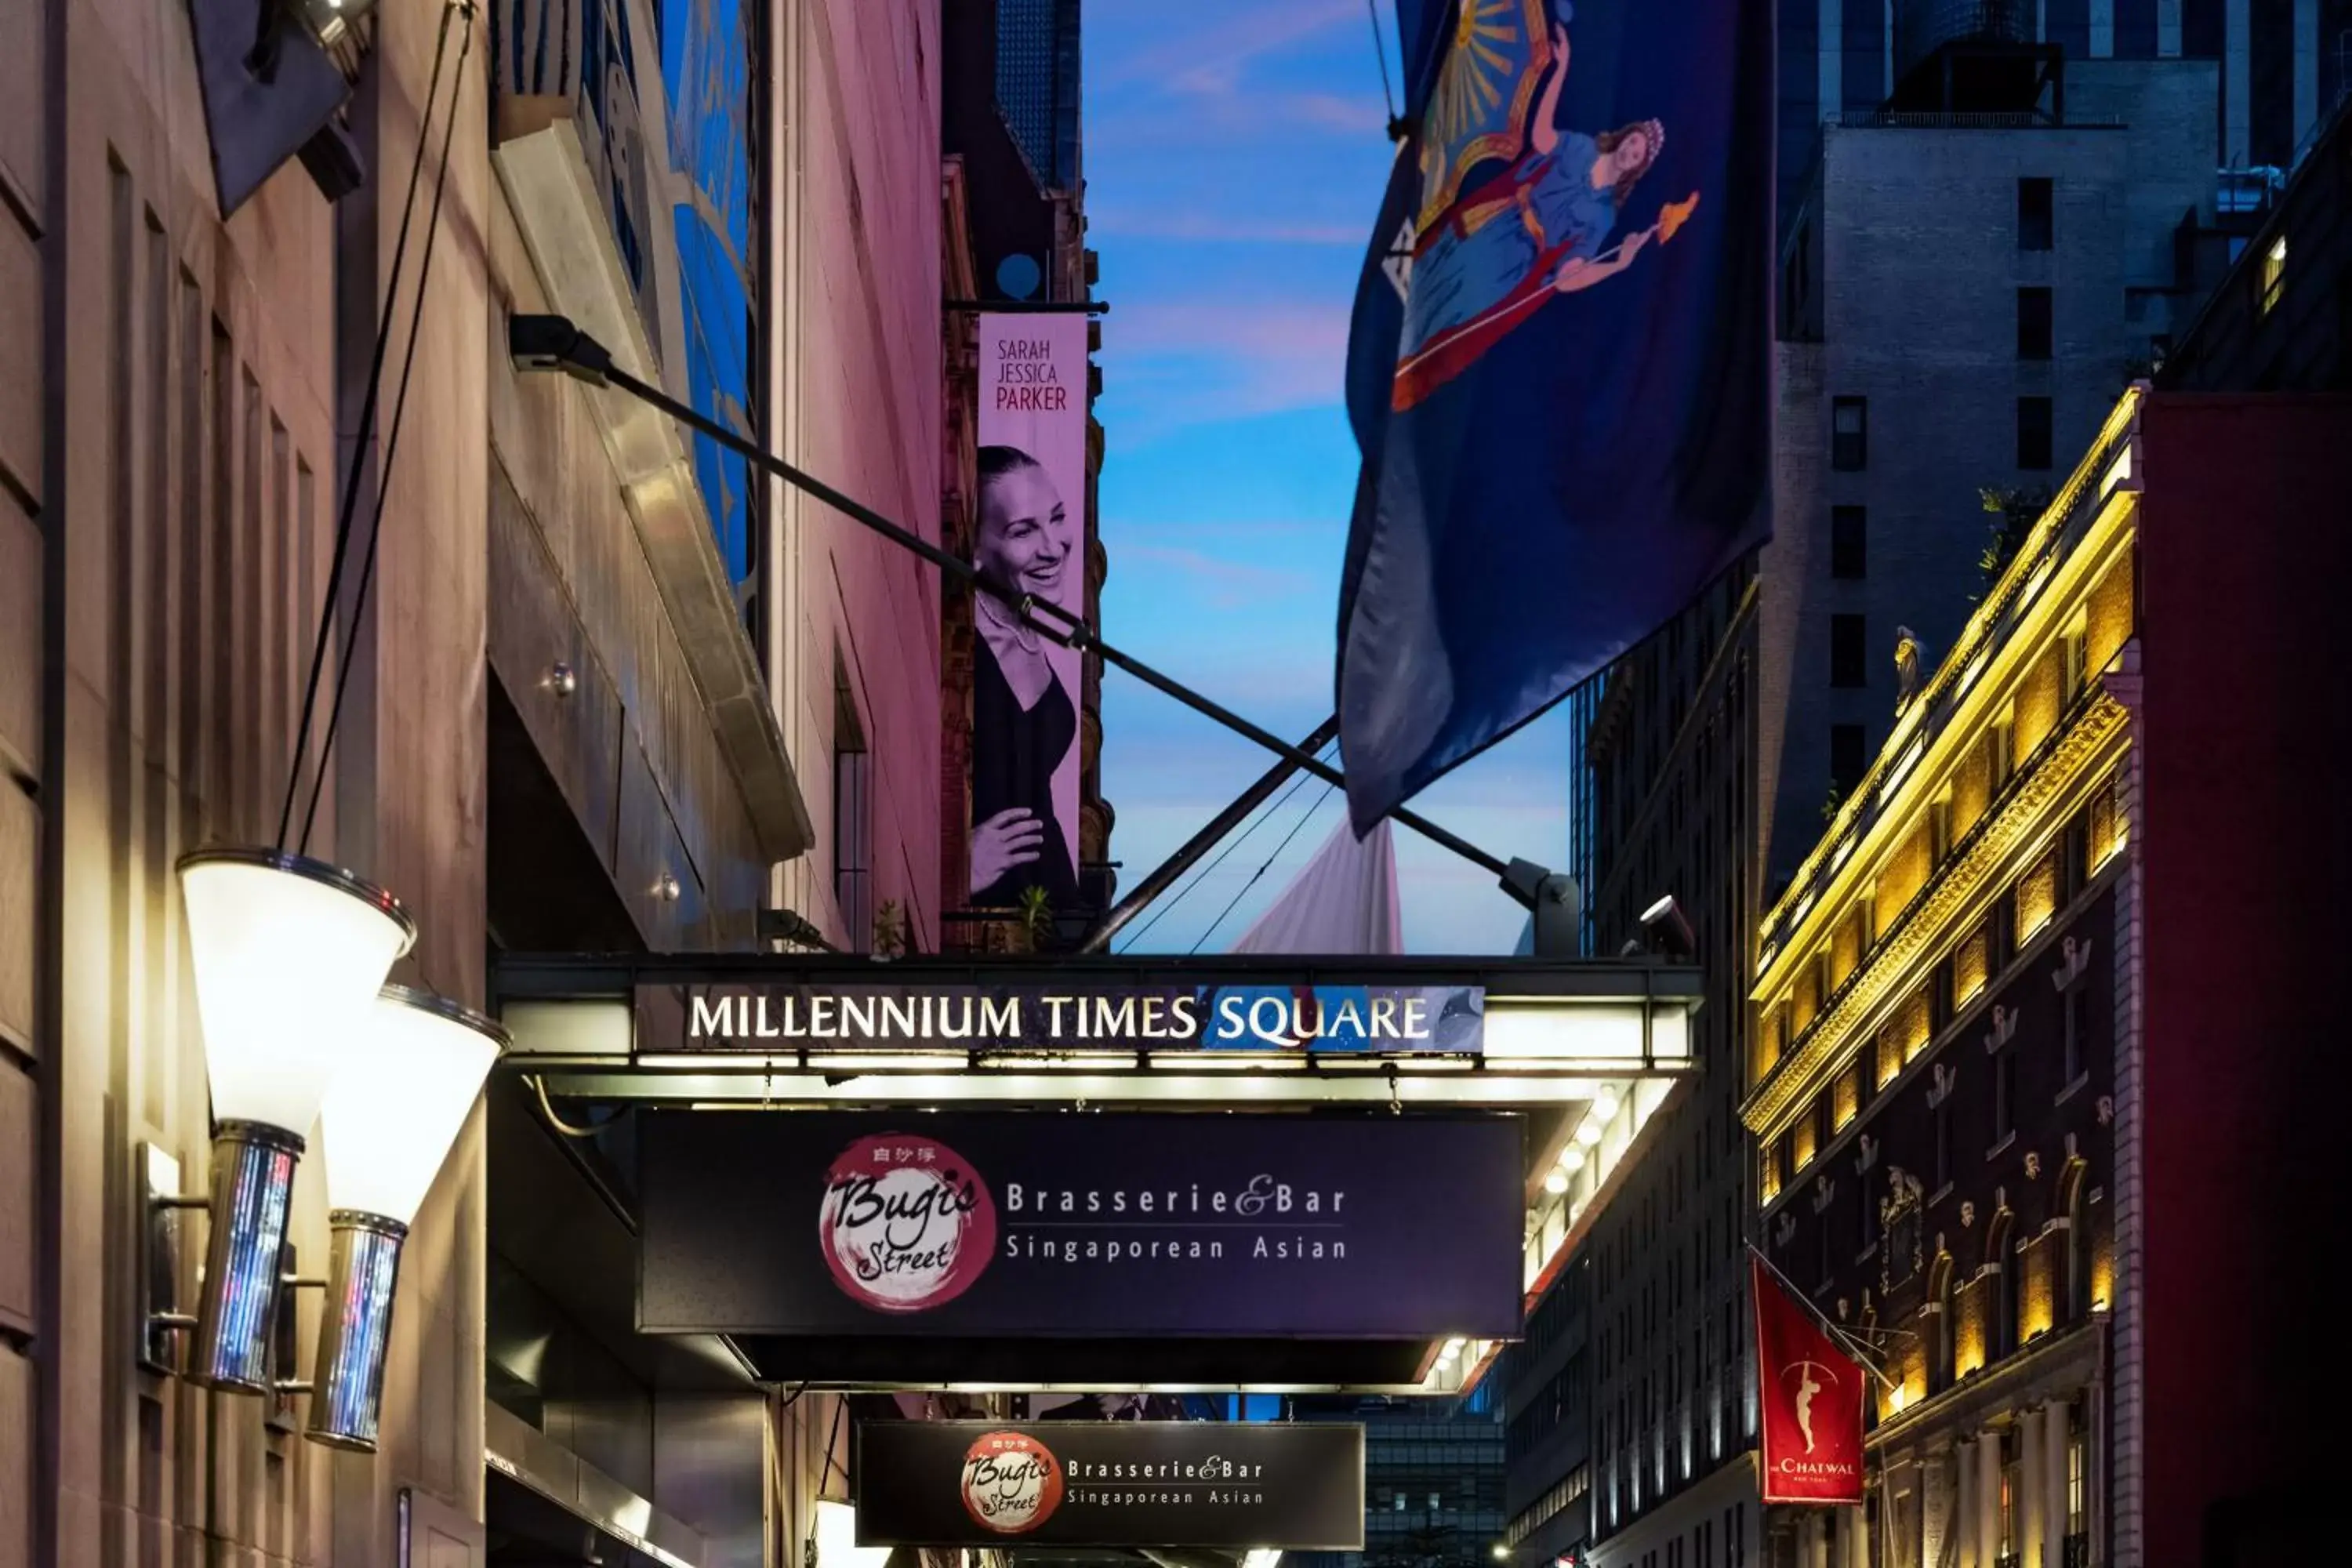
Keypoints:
pixel 1046 1224
pixel 1108 1484
pixel 769 1018
pixel 1030 537
pixel 1810 1394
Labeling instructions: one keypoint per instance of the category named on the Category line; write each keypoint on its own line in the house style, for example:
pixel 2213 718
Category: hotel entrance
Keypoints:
pixel 836 1264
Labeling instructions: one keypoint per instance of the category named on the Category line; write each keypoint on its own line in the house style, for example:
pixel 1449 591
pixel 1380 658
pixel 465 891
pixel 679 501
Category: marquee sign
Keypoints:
pixel 772 1018
pixel 1016 1226
pixel 1106 1484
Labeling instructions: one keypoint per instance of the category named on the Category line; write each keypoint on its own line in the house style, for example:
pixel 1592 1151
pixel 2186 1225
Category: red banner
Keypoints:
pixel 1810 1393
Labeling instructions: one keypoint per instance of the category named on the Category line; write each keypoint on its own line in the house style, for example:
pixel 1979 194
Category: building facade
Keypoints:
pixel 1432 1480
pixel 1992 1132
pixel 2281 62
pixel 601 683
pixel 1963 296
pixel 1012 107
pixel 1628 1406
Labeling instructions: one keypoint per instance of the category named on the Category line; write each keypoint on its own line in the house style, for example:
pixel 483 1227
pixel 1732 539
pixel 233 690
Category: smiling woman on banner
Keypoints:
pixel 1023 721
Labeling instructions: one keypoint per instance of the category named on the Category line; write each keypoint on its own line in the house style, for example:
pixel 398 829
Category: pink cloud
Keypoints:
pixel 1214 228
pixel 1209 60
pixel 1241 358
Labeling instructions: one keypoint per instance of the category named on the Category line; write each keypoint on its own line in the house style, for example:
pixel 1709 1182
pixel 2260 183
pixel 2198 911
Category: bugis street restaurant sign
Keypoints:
pixel 1235 1485
pixel 785 1016
pixel 1022 1224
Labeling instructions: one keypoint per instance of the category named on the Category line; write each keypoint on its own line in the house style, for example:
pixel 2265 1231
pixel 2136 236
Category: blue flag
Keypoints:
pixel 1559 369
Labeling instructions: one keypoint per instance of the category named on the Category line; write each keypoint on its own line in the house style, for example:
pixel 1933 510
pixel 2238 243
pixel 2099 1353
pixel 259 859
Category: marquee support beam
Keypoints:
pixel 539 342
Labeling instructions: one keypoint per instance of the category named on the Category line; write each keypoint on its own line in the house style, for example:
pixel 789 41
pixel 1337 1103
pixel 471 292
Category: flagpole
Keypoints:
pixel 1853 1347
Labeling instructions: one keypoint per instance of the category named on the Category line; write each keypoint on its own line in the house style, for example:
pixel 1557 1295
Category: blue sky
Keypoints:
pixel 1235 157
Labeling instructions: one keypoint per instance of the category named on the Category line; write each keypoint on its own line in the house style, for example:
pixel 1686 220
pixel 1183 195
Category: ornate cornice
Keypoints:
pixel 2073 753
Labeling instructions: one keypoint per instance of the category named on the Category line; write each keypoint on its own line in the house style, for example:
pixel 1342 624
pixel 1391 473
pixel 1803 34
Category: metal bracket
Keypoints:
pixel 286 1343
pixel 155 1177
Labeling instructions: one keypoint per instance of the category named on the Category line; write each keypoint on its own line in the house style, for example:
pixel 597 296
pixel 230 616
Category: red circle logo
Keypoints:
pixel 1010 1483
pixel 906 1224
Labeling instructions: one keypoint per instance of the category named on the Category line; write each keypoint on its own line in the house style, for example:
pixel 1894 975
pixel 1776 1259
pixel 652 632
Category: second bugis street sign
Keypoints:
pixel 1235 1485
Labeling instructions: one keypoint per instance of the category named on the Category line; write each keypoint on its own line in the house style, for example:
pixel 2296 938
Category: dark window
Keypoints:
pixel 853 820
pixel 2034 324
pixel 1848 664
pixel 1849 541
pixel 2004 1094
pixel 2034 433
pixel 1943 1176
pixel 2078 1029
pixel 1849 434
pixel 1848 758
pixel 2036 214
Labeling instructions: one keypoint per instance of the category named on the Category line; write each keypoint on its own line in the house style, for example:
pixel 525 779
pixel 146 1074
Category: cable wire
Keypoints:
pixel 392 436
pixel 348 511
pixel 1381 53
pixel 1261 870
pixel 1202 875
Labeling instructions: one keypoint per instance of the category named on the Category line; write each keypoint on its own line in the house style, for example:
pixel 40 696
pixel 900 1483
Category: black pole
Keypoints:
pixel 1186 857
pixel 552 342
pixel 1030 307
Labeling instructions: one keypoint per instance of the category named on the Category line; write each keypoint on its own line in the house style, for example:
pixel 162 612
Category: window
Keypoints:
pixel 2004 1094
pixel 1400 1502
pixel 1849 758
pixel 1943 1176
pixel 2037 205
pixel 1848 663
pixel 1849 543
pixel 853 819
pixel 2077 1483
pixel 1849 434
pixel 2012 1488
pixel 2034 324
pixel 2034 435
pixel 2078 1030
pixel 2272 280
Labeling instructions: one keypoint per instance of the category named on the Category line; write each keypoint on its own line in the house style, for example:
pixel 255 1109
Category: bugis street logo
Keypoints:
pixel 1011 1483
pixel 908 1224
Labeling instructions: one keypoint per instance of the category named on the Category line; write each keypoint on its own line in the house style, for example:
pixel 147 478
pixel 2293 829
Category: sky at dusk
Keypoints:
pixel 1235 155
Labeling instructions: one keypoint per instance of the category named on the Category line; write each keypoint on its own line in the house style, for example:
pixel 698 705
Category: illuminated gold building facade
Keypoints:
pixel 2034 1063
pixel 1933 1076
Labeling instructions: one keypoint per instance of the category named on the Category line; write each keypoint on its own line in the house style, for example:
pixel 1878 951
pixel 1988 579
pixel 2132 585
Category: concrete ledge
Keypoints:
pixel 549 185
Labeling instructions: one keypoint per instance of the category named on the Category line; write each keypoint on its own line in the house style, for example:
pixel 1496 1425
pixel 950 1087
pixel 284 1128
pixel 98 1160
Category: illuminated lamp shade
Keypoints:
pixel 287 953
pixel 835 1533
pixel 412 1078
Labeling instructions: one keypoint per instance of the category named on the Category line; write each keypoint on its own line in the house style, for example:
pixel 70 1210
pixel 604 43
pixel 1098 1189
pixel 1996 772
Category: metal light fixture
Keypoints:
pixel 409 1081
pixel 287 953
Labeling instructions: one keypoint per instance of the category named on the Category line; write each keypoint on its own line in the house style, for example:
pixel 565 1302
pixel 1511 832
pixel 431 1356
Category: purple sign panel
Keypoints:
pixel 788 1016
pixel 1039 1224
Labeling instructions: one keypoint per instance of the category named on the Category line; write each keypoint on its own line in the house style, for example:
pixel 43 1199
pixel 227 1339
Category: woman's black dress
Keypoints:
pixel 1014 750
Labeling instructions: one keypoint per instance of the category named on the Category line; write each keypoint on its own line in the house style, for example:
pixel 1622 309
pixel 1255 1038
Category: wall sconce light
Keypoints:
pixel 287 954
pixel 407 1085
pixel 833 1540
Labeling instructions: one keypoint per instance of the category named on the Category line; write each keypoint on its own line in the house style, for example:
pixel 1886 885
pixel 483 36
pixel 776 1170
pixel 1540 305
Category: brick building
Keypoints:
pixel 2013 1130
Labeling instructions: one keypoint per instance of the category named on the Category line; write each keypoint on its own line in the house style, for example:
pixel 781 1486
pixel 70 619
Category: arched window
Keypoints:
pixel 2001 1257
pixel 2074 1296
pixel 1942 1332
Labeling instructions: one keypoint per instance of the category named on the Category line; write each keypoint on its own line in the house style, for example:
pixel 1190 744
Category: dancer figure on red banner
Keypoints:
pixel 1810 1394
